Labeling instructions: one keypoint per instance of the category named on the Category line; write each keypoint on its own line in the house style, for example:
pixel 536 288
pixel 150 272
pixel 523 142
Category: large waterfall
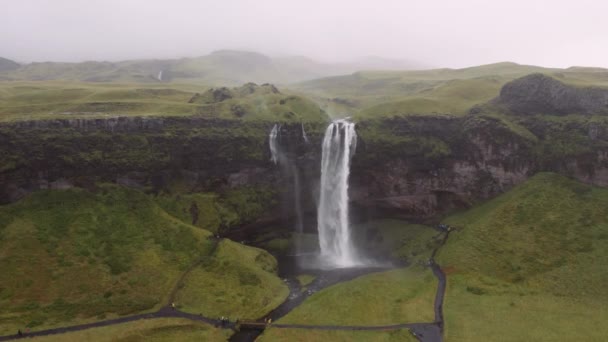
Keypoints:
pixel 339 145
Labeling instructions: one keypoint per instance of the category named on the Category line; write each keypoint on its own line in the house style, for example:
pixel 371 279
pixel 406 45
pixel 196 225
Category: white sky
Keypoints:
pixel 451 33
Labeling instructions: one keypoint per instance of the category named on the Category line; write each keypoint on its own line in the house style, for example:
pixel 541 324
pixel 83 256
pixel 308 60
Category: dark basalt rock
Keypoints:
pixel 541 94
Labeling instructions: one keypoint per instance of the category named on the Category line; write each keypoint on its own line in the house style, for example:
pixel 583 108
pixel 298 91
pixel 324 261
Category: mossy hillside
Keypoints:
pixel 160 329
pixel 389 297
pixel 74 255
pixel 218 212
pixel 401 240
pixel 414 136
pixel 532 257
pixel 238 282
pixel 565 136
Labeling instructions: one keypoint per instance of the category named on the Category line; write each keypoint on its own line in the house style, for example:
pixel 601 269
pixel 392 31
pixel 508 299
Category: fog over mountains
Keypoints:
pixel 223 67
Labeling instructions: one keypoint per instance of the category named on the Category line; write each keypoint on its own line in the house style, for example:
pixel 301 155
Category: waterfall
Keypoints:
pixel 304 136
pixel 339 145
pixel 160 75
pixel 280 157
pixel 297 203
pixel 274 143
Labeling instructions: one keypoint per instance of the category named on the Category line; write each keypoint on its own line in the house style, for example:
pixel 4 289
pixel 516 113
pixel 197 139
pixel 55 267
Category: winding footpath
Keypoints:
pixel 425 332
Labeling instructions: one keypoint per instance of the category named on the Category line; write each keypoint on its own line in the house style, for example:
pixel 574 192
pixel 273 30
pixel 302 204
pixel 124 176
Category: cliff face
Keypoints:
pixel 435 164
pixel 419 167
pixel 538 93
pixel 415 167
pixel 150 153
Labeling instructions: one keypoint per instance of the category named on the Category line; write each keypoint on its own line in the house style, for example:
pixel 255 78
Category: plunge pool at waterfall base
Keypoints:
pixel 374 240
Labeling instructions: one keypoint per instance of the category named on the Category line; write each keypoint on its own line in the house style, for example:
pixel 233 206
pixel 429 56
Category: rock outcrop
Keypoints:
pixel 541 94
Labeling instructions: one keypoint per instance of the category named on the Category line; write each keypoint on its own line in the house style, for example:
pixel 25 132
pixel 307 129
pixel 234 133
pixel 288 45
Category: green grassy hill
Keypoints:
pixel 375 94
pixel 50 99
pixel 531 263
pixel 239 282
pixel 73 256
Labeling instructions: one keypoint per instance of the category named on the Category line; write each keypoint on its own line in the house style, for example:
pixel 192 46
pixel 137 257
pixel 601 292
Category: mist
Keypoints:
pixel 433 33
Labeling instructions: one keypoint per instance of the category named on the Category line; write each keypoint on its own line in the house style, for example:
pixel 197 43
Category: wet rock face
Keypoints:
pixel 541 94
pixel 482 159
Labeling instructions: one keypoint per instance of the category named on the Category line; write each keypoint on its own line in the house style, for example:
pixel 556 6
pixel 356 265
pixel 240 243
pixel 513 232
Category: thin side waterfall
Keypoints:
pixel 297 203
pixel 304 136
pixel 160 75
pixel 273 142
pixel 280 157
pixel 339 145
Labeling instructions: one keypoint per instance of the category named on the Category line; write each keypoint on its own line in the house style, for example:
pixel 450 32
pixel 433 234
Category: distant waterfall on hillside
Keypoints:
pixel 278 155
pixel 160 75
pixel 339 145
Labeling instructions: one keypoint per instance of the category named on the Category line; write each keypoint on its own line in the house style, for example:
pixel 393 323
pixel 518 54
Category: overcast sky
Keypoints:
pixel 446 33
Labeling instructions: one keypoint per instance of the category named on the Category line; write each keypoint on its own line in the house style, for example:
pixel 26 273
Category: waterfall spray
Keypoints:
pixel 280 157
pixel 339 145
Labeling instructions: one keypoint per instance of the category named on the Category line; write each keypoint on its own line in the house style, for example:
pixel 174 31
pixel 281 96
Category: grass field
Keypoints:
pixel 378 94
pixel 300 335
pixel 75 256
pixel 412 243
pixel 389 297
pixel 530 265
pixel 362 95
pixel 161 329
pixel 239 282
pixel 64 100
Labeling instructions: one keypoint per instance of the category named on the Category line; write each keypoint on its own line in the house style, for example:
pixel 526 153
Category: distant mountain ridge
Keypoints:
pixel 8 65
pixel 224 67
